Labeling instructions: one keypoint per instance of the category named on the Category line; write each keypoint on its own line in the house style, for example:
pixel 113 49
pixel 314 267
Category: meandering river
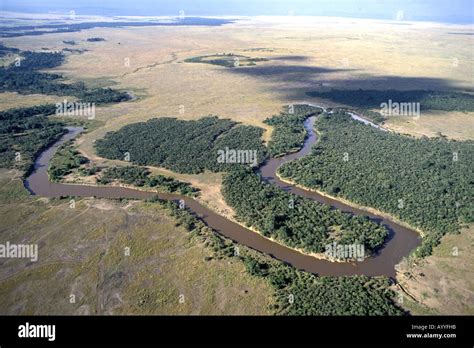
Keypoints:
pixel 400 242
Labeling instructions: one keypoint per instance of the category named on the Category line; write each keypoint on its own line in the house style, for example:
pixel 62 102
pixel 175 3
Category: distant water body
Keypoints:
pixel 459 12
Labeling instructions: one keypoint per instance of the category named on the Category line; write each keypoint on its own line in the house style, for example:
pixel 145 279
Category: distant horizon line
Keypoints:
pixel 177 16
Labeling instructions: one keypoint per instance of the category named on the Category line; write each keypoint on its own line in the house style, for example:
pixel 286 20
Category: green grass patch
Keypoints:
pixel 228 60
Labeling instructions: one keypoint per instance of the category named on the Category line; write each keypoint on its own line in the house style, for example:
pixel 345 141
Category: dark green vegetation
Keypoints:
pixel 39 60
pixel 301 293
pixel 293 220
pixel 191 147
pixel 69 42
pixel 296 292
pixel 7 50
pixel 65 160
pixel 28 30
pixel 289 132
pixel 139 176
pixel 182 146
pixel 74 50
pixel 88 170
pixel 95 39
pixel 27 79
pixel 427 183
pixel 228 60
pixel 373 116
pixel 371 99
pixel 24 132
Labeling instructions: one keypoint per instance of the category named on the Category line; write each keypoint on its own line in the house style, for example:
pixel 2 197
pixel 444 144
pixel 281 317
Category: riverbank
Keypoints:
pixel 354 205
pixel 383 263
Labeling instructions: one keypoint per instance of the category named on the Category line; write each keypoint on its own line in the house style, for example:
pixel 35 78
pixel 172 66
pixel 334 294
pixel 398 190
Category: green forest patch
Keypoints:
pixel 293 220
pixel 25 77
pixel 68 160
pixel 24 132
pixel 140 177
pixel 185 146
pixel 289 132
pixel 426 182
pixel 367 102
pixel 228 60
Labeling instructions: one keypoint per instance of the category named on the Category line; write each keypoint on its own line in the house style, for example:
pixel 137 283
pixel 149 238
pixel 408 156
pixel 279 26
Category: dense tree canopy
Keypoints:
pixel 68 27
pixel 64 161
pixel 296 221
pixel 289 132
pixel 302 293
pixel 7 50
pixel 26 79
pixel 95 39
pixel 429 100
pixel 191 147
pixel 425 182
pixel 24 132
pixel 182 146
pixel 139 176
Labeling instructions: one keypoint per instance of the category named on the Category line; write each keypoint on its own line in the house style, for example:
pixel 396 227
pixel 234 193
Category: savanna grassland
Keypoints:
pixel 441 283
pixel 304 54
pixel 292 56
pixel 115 257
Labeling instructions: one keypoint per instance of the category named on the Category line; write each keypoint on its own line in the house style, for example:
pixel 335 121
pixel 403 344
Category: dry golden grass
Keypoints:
pixel 443 283
pixel 82 252
pixel 308 54
pixel 454 125
pixel 305 54
pixel 15 100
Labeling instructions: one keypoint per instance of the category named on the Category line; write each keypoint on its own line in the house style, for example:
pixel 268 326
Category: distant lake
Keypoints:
pixel 453 11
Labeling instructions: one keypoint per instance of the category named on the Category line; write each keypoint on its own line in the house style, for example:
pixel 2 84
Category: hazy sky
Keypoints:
pixel 456 11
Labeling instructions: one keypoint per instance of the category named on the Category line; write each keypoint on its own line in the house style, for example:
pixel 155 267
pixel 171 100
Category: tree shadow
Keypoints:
pixel 294 81
pixel 301 81
pixel 285 73
pixel 294 58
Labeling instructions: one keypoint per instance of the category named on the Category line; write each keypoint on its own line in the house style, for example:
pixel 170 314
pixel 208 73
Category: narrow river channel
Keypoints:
pixel 400 242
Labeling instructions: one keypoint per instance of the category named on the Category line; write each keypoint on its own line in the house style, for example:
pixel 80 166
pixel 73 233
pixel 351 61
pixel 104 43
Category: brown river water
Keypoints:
pixel 399 243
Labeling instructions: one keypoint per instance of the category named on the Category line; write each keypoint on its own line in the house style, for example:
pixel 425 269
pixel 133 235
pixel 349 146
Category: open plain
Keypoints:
pixel 301 54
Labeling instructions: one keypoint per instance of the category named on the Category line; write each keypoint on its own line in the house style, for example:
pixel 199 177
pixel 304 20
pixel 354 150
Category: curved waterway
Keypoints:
pixel 400 242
